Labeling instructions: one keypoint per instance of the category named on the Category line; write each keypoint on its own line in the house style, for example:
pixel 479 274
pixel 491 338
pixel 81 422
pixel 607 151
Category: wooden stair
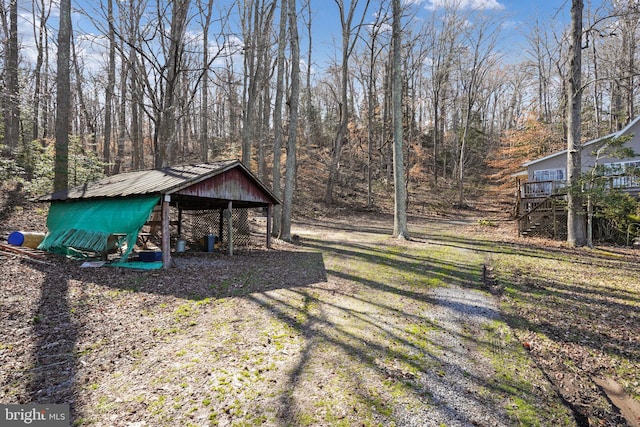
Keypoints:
pixel 543 216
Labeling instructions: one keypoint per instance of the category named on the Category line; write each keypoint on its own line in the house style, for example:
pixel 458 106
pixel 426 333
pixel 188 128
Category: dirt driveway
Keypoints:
pixel 347 327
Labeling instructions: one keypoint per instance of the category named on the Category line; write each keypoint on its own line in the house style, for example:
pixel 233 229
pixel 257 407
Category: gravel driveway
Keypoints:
pixel 462 313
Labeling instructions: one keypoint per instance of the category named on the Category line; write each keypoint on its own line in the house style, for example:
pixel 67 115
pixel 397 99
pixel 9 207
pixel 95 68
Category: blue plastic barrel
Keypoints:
pixel 211 242
pixel 16 238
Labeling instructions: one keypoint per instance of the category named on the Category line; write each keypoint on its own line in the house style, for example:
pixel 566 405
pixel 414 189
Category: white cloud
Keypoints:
pixel 465 4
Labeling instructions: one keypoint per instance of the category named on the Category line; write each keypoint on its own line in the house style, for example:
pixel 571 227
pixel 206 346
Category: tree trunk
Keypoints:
pixel 371 102
pixel 400 230
pixel 629 42
pixel 463 152
pixel 277 117
pixel 249 34
pixel 256 37
pixel 121 133
pixel 63 95
pixel 136 92
pixel 108 96
pixel 47 111
pixel 576 228
pixel 294 98
pixel 12 89
pixel 370 118
pixel 204 108
pixel 310 115
pixel 38 81
pixel 167 135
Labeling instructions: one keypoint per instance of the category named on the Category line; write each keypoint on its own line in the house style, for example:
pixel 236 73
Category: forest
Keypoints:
pixel 113 86
pixel 350 111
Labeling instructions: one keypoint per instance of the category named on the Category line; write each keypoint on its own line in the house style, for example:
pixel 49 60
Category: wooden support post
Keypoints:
pixel 230 228
pixel 166 237
pixel 269 212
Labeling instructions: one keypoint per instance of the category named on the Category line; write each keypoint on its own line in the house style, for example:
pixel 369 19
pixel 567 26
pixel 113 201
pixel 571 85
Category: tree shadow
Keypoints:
pixel 53 369
pixel 52 375
pixel 428 374
pixel 596 320
pixel 253 275
pixel 320 333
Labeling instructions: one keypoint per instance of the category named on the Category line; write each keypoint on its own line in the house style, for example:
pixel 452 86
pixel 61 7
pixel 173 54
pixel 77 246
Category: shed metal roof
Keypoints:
pixel 165 181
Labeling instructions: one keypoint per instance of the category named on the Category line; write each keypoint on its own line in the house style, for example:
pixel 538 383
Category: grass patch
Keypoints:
pixel 579 308
pixel 517 382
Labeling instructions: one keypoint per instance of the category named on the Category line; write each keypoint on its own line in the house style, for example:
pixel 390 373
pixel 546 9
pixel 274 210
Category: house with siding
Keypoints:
pixel 541 205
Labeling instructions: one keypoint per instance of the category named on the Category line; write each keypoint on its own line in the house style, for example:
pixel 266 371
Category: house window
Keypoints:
pixel 620 167
pixel 549 175
pixel 622 172
pixel 542 180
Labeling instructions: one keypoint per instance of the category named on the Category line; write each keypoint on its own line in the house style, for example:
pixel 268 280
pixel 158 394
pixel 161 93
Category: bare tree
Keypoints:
pixel 629 22
pixel 293 103
pixel 373 50
pixel 308 95
pixel 442 37
pixel 206 10
pixel 40 38
pixel 541 57
pixel 167 136
pixel 122 109
pixel 133 80
pixel 576 227
pixel 400 229
pixel 88 119
pixel 12 88
pixel 256 22
pixel 63 95
pixel 349 38
pixel 277 116
pixel 108 95
pixel 481 41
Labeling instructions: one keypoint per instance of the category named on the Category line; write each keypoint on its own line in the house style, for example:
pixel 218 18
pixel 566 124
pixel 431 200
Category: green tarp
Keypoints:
pixel 96 224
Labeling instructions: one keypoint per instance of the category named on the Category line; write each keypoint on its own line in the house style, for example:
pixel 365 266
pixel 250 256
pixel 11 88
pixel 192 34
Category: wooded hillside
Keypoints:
pixel 159 83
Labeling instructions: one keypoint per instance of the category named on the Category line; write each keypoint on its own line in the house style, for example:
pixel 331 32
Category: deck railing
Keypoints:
pixel 623 182
pixel 541 188
pixel 536 189
pixel 540 207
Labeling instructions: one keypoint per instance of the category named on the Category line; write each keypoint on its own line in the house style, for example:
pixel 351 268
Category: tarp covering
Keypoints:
pixel 156 265
pixel 96 224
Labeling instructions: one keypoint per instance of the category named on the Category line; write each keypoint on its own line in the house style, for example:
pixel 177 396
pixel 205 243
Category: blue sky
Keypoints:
pixel 518 16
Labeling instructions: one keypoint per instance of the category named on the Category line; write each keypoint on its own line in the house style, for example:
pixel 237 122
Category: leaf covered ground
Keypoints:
pixel 339 329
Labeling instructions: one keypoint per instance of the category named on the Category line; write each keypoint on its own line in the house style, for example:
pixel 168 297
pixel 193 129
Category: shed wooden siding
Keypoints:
pixel 231 185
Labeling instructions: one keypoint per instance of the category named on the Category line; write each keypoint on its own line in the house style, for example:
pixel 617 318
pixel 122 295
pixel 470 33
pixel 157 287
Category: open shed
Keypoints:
pixel 92 216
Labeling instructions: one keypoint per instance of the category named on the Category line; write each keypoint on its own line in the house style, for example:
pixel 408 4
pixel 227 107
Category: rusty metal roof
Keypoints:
pixel 163 181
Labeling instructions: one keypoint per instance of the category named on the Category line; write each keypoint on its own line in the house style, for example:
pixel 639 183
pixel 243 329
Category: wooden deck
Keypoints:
pixel 541 206
pixel 543 216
